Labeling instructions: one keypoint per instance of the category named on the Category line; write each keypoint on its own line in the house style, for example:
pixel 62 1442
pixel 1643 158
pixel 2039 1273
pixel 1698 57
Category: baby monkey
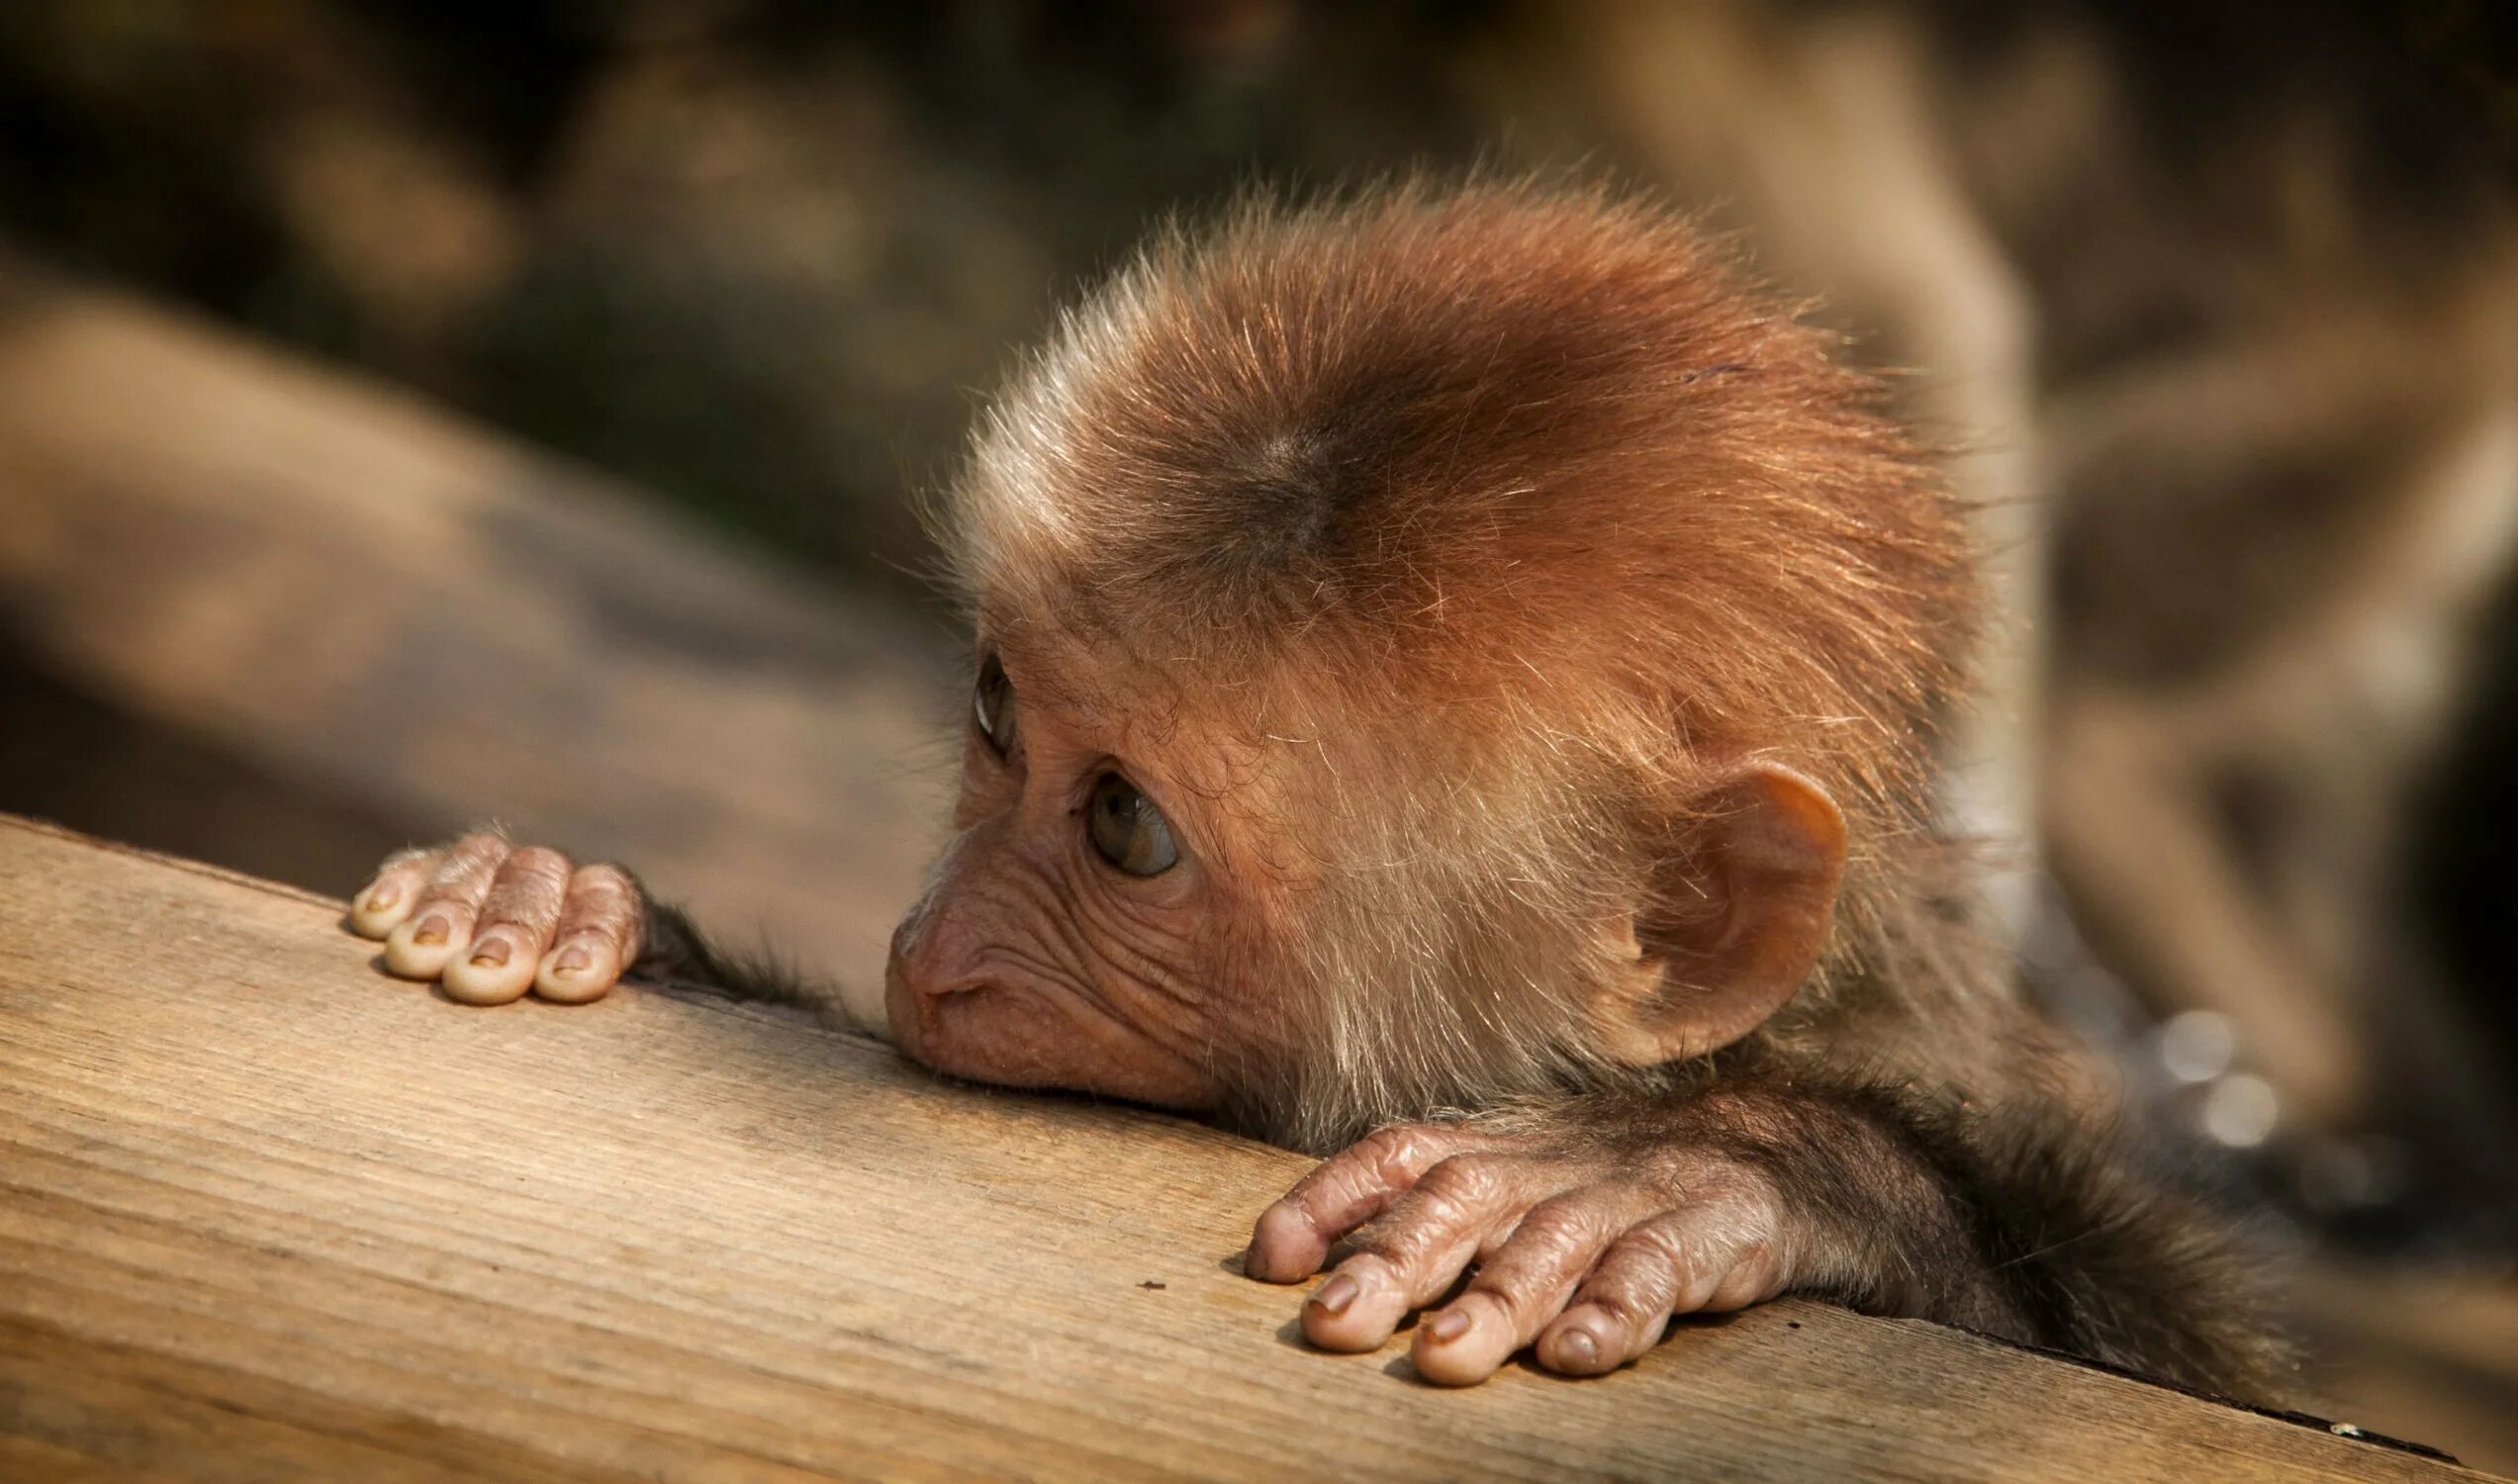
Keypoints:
pixel 1456 679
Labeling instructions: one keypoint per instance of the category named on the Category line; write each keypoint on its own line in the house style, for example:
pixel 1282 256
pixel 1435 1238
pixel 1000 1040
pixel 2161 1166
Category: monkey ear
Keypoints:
pixel 1732 925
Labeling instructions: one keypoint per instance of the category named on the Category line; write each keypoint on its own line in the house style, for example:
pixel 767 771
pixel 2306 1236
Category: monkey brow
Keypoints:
pixel 1130 708
pixel 1046 668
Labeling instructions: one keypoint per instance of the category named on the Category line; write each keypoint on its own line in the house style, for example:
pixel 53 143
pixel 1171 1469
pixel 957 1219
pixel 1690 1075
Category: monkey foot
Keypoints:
pixel 1580 1256
pixel 490 921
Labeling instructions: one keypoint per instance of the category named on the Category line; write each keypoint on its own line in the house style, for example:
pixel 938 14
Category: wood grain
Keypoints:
pixel 403 608
pixel 265 1214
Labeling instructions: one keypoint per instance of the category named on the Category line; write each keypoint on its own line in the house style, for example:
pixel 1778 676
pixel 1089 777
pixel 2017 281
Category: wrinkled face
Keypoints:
pixel 1078 930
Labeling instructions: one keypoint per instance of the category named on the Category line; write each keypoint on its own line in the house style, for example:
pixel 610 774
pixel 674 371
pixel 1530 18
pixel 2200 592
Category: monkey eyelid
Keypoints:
pixel 995 707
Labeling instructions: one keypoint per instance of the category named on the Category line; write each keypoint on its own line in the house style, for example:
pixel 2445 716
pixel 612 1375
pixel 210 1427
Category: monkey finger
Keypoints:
pixel 388 900
pixel 1413 1251
pixel 511 931
pixel 1292 1237
pixel 1524 1284
pixel 1678 1263
pixel 601 932
pixel 440 920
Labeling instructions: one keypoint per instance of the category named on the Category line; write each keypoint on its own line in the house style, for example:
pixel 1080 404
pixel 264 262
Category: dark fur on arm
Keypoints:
pixel 676 951
pixel 2023 1223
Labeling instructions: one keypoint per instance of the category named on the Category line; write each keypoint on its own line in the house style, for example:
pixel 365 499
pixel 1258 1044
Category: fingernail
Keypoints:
pixel 1447 1326
pixel 489 952
pixel 432 930
pixel 1575 1346
pixel 572 958
pixel 1333 1297
pixel 383 898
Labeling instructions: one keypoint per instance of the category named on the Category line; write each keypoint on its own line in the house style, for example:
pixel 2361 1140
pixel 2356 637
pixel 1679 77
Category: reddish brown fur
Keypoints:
pixel 1531 484
pixel 1518 618
pixel 1449 543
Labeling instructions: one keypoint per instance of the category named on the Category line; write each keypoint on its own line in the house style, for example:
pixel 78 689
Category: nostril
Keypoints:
pixel 939 951
pixel 913 967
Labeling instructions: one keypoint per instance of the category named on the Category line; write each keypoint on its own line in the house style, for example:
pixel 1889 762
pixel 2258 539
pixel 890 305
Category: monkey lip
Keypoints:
pixel 952 1030
pixel 991 1029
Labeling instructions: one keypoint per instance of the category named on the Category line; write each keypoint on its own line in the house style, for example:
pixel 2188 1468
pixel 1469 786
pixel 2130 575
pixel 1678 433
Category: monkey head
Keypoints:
pixel 1433 646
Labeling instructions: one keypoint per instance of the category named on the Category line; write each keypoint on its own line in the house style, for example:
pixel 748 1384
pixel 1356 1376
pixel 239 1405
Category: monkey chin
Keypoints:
pixel 1034 1037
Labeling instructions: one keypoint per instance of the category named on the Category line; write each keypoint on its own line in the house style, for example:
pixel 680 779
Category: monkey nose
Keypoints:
pixel 912 963
pixel 925 971
pixel 901 1003
pixel 932 957
pixel 915 983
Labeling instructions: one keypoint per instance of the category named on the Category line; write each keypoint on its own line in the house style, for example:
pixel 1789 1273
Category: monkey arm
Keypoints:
pixel 677 952
pixel 2021 1221
pixel 1593 1220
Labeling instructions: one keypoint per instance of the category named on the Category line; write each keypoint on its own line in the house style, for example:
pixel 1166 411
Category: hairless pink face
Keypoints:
pixel 1067 937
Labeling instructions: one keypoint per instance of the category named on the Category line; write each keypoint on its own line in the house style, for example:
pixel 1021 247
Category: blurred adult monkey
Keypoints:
pixel 1455 681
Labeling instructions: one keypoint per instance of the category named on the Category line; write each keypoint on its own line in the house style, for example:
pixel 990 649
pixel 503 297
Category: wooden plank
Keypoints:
pixel 266 1214
pixel 404 609
pixel 2423 1353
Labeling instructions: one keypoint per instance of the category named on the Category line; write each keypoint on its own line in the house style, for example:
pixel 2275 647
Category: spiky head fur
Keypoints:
pixel 1491 520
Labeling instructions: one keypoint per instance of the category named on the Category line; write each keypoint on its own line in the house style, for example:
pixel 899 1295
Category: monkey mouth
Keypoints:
pixel 1011 1034
pixel 919 1018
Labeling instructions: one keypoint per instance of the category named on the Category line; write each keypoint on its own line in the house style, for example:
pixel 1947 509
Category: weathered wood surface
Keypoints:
pixel 405 610
pixel 266 1214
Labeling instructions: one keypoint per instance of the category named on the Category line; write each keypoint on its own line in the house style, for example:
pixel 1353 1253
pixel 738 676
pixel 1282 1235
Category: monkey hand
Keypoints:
pixel 1578 1248
pixel 489 921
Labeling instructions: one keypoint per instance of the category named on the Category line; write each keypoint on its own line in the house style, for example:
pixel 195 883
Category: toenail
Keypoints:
pixel 1333 1296
pixel 432 930
pixel 1447 1326
pixel 1576 1347
pixel 383 898
pixel 489 952
pixel 572 958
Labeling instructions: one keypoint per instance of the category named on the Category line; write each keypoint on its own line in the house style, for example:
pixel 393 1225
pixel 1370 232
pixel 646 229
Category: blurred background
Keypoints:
pixel 417 412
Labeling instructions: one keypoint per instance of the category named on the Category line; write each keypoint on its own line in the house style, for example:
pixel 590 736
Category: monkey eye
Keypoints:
pixel 992 706
pixel 1128 830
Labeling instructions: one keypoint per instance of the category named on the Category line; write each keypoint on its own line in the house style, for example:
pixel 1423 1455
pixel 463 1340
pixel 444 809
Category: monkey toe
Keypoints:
pixel 1291 1237
pixel 387 901
pixel 578 970
pixel 1523 1282
pixel 497 967
pixel 519 912
pixel 451 885
pixel 1358 1309
pixel 420 946
pixel 377 911
pixel 603 918
pixel 1587 1341
pixel 1706 1256
pixel 1286 1246
pixel 1464 1344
